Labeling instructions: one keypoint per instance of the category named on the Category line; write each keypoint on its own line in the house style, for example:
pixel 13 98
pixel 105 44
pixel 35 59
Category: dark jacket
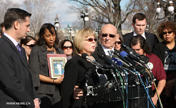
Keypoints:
pixel 39 65
pixel 151 39
pixel 15 78
pixel 75 70
pixel 159 50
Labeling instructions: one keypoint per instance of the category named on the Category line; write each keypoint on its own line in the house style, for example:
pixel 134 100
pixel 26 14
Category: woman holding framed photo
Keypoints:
pixel 47 88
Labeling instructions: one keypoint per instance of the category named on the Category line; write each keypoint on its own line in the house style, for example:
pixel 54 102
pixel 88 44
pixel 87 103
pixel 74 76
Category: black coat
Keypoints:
pixel 151 39
pixel 15 78
pixel 159 50
pixel 75 70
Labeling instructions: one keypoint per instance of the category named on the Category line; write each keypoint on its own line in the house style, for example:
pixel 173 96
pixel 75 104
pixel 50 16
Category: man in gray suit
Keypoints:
pixel 16 86
pixel 139 24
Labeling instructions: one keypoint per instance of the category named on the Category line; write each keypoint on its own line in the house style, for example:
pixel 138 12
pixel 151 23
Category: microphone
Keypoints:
pixel 119 63
pixel 85 56
pixel 139 68
pixel 134 55
pixel 118 56
pixel 125 55
pixel 91 68
pixel 129 50
pixel 116 61
pixel 109 61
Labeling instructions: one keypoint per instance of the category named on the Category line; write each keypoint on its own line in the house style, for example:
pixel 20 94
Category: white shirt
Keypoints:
pixel 143 35
pixel 106 50
pixel 102 77
pixel 12 39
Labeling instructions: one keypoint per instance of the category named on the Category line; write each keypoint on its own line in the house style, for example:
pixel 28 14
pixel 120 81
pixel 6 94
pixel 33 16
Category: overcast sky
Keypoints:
pixel 65 14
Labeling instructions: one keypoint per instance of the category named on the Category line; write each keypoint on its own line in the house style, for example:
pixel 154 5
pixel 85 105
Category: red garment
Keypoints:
pixel 158 69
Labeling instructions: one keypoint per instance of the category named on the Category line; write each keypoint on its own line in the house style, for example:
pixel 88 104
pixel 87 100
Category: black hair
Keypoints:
pixel 27 39
pixel 1 27
pixel 67 40
pixel 143 43
pixel 139 16
pixel 49 27
pixel 14 14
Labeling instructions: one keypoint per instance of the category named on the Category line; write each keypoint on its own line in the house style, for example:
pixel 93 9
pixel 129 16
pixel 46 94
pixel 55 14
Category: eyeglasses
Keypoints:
pixel 32 45
pixel 110 35
pixel 91 39
pixel 117 42
pixel 167 32
pixel 66 47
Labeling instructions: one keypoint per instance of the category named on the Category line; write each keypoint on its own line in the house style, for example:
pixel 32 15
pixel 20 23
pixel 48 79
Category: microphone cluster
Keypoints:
pixel 124 68
pixel 124 61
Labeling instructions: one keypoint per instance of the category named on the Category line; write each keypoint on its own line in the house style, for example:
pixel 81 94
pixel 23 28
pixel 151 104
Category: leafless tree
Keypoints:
pixel 108 9
pixel 148 7
pixel 4 5
pixel 40 10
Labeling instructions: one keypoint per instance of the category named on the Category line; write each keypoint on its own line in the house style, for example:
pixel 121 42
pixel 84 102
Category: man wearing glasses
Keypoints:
pixel 139 24
pixel 107 38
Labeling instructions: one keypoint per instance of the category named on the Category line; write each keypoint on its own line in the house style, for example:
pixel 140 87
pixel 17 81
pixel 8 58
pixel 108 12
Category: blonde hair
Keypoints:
pixel 80 36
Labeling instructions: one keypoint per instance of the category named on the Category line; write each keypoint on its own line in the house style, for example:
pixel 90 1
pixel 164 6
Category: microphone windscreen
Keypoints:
pixel 123 53
pixel 84 55
pixel 116 61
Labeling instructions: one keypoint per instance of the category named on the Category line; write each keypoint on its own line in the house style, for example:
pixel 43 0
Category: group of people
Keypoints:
pixel 24 72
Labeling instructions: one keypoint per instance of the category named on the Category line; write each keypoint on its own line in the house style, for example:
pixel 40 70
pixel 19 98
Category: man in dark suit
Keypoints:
pixel 139 24
pixel 16 86
pixel 107 38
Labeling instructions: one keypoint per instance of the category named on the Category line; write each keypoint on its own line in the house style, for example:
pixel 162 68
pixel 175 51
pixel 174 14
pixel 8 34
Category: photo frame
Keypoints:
pixel 56 64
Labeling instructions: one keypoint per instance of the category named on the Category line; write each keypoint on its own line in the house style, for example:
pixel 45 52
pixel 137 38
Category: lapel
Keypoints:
pixel 43 53
pixel 147 37
pixel 24 62
pixel 130 36
pixel 100 49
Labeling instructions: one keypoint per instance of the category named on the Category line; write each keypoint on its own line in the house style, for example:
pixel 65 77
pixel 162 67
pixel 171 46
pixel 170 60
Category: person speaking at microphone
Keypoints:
pixel 107 38
pixel 139 44
pixel 76 68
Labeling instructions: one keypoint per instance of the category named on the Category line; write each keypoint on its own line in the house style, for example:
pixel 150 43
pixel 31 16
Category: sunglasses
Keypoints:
pixel 91 39
pixel 117 42
pixel 32 45
pixel 110 35
pixel 66 47
pixel 167 32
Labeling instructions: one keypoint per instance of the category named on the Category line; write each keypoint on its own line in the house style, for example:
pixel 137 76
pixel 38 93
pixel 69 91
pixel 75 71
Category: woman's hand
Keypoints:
pixel 77 92
pixel 58 80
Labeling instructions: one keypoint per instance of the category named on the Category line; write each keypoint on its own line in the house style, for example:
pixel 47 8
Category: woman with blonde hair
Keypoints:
pixel 75 68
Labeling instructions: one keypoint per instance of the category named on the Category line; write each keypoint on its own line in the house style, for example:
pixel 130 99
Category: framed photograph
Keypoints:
pixel 56 64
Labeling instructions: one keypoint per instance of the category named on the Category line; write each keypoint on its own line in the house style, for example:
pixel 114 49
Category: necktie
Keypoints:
pixel 110 53
pixel 19 49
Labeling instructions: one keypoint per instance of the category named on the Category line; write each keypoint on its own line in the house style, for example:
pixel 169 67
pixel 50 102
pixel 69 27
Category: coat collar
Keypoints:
pixel 24 62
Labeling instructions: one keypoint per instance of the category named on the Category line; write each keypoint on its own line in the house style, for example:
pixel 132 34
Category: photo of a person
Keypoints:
pixel 58 68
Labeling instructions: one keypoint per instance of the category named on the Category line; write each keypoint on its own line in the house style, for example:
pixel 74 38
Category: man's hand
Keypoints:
pixel 36 103
pixel 154 99
pixel 77 92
